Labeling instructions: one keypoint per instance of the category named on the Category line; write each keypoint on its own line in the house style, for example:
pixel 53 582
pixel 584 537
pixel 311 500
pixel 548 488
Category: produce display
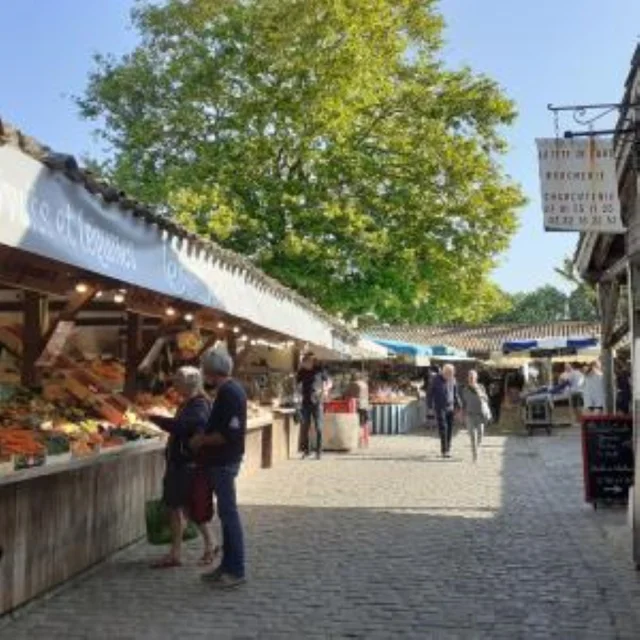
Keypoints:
pixel 78 413
pixel 37 427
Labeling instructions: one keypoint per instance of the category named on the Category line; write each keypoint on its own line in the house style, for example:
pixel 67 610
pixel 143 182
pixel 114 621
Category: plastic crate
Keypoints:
pixel 341 406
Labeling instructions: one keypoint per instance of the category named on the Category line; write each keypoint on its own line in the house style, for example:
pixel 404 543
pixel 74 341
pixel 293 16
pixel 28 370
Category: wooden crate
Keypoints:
pixel 12 340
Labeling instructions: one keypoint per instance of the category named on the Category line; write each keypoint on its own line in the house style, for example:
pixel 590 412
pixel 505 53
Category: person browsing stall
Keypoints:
pixel 221 450
pixel 314 386
pixel 190 418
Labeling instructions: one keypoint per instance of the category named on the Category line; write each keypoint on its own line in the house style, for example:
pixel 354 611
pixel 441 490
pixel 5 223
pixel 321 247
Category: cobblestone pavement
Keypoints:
pixel 391 542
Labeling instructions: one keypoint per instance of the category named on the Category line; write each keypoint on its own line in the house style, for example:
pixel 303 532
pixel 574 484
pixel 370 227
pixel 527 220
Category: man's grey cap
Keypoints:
pixel 217 362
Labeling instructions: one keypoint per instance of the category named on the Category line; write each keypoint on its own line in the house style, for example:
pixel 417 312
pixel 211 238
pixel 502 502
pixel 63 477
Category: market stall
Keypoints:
pixel 399 411
pixel 540 406
pixel 100 300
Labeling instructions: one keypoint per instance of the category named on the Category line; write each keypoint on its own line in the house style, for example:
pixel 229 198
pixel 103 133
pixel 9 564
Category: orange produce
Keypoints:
pixel 15 441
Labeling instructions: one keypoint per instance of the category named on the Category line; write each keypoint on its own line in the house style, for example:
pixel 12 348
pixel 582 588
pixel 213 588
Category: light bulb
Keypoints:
pixel 81 287
pixel 188 317
pixel 118 298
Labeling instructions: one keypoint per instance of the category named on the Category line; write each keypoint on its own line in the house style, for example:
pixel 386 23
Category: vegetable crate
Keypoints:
pixel 106 406
pixel 11 338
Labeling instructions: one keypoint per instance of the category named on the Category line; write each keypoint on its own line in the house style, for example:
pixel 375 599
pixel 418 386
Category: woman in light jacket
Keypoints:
pixel 475 404
pixel 593 389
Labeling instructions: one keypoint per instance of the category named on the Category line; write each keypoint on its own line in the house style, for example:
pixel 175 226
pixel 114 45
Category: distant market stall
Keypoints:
pixel 539 405
pixel 100 300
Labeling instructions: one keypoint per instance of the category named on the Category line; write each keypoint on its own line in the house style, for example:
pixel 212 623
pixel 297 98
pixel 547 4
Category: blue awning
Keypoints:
pixel 550 344
pixel 420 350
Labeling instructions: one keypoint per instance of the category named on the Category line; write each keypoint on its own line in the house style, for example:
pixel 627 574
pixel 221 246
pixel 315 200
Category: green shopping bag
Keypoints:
pixel 158 527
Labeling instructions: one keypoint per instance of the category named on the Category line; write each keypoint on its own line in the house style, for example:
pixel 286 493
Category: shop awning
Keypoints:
pixel 51 208
pixel 421 354
pixel 550 345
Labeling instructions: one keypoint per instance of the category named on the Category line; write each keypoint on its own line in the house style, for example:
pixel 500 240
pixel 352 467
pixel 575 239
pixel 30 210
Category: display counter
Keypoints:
pixel 286 435
pixel 59 519
pixel 394 416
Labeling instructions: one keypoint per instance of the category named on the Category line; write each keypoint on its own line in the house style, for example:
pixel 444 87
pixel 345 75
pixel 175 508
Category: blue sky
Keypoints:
pixel 541 51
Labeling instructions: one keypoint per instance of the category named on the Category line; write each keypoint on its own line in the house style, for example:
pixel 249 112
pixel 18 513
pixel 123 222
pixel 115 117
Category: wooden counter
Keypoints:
pixel 60 519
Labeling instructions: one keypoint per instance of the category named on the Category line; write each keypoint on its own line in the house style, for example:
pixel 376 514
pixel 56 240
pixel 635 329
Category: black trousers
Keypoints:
pixel 444 418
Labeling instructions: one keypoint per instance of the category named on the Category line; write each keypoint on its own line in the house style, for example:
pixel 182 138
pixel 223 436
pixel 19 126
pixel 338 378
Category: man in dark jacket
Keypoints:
pixel 444 399
pixel 314 386
pixel 221 450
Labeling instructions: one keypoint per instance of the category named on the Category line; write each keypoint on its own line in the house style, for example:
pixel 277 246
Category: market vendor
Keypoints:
pixel 181 472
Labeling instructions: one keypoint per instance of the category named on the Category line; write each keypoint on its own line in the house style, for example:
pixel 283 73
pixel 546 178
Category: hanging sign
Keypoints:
pixel 189 344
pixel 579 185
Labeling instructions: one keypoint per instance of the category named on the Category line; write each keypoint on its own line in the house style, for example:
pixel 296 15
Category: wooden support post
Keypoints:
pixel 232 345
pixel 634 313
pixel 134 342
pixel 74 305
pixel 34 325
pixel 206 345
pixel 608 294
pixel 295 358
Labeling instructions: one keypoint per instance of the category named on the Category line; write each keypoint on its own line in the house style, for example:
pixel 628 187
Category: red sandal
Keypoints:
pixel 166 563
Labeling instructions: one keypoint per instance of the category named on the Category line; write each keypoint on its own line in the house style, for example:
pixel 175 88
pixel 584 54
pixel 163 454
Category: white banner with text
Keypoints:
pixel 579 185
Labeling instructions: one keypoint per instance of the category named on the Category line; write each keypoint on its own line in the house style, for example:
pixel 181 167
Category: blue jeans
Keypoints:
pixel 315 413
pixel 224 488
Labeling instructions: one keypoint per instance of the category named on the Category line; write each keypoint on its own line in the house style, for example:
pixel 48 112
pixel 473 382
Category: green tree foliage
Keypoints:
pixel 546 304
pixel 324 139
pixel 549 304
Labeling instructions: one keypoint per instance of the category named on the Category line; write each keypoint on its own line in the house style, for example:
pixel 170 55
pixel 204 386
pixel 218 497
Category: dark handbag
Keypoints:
pixel 200 504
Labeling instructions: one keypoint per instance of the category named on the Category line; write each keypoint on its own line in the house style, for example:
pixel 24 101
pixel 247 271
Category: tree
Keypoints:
pixel 324 139
pixel 583 300
pixel 546 304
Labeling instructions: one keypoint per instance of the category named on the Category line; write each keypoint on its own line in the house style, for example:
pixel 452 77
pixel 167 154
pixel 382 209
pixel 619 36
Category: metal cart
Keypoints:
pixel 537 413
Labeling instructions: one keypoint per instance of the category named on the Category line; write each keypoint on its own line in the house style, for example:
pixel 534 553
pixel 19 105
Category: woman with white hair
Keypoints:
pixel 475 404
pixel 190 419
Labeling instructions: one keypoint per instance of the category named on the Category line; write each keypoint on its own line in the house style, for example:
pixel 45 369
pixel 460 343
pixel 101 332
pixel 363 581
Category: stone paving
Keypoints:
pixel 391 542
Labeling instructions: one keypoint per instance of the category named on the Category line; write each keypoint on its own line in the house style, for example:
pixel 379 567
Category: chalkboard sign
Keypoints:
pixel 607 450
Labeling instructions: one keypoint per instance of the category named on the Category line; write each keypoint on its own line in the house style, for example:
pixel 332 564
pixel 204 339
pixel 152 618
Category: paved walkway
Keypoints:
pixel 387 543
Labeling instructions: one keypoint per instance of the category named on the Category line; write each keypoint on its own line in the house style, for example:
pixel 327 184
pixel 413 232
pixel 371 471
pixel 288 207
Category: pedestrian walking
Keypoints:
pixel 443 398
pixel 314 387
pixel 221 450
pixel 477 414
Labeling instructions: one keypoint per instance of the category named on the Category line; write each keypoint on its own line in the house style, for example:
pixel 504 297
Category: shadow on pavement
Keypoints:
pixel 527 560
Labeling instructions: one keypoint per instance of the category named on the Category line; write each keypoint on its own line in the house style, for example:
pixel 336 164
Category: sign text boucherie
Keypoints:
pixel 579 185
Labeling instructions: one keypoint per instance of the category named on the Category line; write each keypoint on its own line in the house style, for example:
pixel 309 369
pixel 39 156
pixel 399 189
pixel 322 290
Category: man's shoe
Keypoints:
pixel 227 581
pixel 212 576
